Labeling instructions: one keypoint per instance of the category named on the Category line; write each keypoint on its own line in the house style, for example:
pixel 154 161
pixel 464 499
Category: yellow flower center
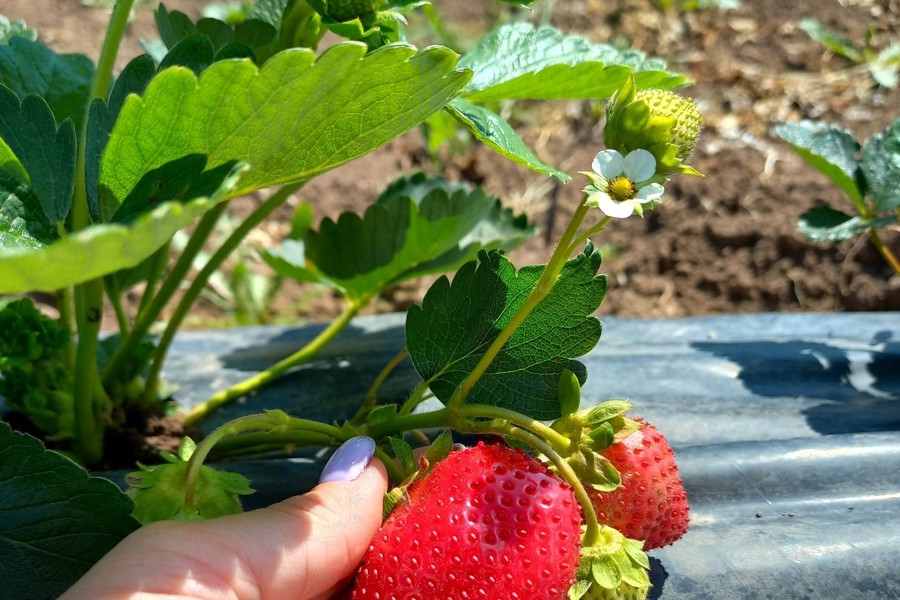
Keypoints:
pixel 621 188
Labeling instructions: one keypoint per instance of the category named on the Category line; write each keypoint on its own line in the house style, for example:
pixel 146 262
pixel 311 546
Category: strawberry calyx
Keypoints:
pixel 611 566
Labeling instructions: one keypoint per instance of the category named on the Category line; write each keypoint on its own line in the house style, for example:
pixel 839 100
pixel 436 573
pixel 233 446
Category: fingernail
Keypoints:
pixel 349 460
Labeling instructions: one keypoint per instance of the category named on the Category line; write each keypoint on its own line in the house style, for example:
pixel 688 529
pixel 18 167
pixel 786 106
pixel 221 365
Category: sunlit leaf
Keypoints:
pixel 519 61
pixel 829 149
pixel 458 321
pixel 295 118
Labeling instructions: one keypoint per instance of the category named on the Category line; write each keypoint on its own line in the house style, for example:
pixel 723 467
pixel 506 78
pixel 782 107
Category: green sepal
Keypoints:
pixel 569 392
pixel 381 415
pixel 606 411
pixel 158 491
pixel 594 469
pixel 404 453
pixel 613 563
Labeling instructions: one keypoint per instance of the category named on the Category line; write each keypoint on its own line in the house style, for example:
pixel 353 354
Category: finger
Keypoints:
pixel 314 542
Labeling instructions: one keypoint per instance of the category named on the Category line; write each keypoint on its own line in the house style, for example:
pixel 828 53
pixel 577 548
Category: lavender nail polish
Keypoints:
pixel 349 460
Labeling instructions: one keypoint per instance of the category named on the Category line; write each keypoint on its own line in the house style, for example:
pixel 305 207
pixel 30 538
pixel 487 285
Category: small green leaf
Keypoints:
pixel 10 29
pixel 46 152
pixel 100 249
pixel 417 226
pixel 326 112
pixel 62 80
pixel 881 166
pixel 829 149
pixel 499 136
pixel 457 322
pixel 884 68
pixel 56 520
pixel 831 40
pixel 404 453
pixel 520 61
pixel 824 224
pixel 568 390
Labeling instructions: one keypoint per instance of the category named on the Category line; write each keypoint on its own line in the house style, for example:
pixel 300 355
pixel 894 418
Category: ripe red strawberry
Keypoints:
pixel 651 504
pixel 488 522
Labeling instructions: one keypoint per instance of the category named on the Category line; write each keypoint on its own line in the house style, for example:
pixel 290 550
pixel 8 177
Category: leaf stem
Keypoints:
pixel 259 380
pixel 541 289
pixel 255 422
pixel 158 263
pixel 416 398
pixel 148 316
pixel 89 430
pixel 196 288
pixel 558 441
pixel 115 298
pixel 372 395
pixel 889 256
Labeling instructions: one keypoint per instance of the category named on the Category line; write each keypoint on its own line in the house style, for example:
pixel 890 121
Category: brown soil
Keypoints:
pixel 723 244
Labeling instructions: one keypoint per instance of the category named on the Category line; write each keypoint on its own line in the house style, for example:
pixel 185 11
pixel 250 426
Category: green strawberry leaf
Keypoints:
pixel 457 322
pixel 231 112
pixel 62 80
pixel 56 520
pixel 258 38
pixel 881 166
pixel 829 149
pixel 499 136
pixel 520 61
pixel 825 224
pixel 20 210
pixel 46 152
pixel 10 29
pixel 195 52
pixel 417 226
pixel 100 249
pixel 831 40
pixel 102 118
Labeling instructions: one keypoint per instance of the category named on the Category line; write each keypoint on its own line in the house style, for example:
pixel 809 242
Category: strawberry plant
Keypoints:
pixel 97 174
pixel 869 175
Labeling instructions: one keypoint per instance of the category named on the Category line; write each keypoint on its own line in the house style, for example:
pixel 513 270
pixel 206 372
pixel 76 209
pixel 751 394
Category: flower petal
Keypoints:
pixel 609 164
pixel 649 192
pixel 616 210
pixel 639 165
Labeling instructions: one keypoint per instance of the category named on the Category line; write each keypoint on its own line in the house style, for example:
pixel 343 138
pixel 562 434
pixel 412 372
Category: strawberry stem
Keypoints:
pixel 541 290
pixel 592 531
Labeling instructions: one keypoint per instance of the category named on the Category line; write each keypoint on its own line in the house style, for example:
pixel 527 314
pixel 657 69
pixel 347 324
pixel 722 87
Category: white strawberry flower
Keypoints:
pixel 621 186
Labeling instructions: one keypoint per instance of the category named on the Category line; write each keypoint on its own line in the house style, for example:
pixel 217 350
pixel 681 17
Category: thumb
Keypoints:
pixel 314 542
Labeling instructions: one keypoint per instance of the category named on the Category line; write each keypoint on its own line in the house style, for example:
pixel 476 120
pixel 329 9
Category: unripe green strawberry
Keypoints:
pixel 662 122
pixel 488 522
pixel 651 504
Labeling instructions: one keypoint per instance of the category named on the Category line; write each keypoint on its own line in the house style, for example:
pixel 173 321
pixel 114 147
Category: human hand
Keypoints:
pixel 304 548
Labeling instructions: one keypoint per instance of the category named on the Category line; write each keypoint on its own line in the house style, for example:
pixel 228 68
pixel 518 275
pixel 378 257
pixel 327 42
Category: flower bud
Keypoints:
pixel 659 121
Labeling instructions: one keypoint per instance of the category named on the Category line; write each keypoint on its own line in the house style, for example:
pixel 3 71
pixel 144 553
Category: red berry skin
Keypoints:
pixel 487 523
pixel 651 504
